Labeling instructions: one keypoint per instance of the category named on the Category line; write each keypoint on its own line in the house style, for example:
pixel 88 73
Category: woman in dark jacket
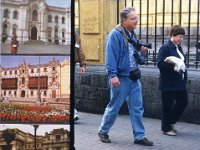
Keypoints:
pixel 172 81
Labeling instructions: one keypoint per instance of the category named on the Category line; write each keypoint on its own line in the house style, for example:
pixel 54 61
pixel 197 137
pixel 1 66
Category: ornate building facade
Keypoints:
pixel 51 81
pixel 35 20
pixel 57 139
pixel 65 79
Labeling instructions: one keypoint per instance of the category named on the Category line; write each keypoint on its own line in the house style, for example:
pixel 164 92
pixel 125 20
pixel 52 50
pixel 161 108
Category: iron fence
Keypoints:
pixel 158 34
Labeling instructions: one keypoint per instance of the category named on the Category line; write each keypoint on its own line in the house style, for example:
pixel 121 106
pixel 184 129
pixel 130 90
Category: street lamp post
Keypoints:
pixel 35 135
pixel 39 95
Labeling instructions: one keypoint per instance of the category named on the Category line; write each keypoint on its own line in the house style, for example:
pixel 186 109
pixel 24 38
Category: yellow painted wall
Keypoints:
pixel 185 10
pixel 76 15
pixel 65 79
pixel 98 17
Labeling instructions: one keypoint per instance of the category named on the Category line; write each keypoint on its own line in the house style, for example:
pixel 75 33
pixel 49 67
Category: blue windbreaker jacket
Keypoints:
pixel 117 53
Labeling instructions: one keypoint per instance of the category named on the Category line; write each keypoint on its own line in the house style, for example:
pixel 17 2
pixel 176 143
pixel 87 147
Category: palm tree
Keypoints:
pixel 8 135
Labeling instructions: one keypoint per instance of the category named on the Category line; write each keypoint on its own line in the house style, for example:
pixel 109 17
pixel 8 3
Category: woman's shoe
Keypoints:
pixel 172 125
pixel 170 133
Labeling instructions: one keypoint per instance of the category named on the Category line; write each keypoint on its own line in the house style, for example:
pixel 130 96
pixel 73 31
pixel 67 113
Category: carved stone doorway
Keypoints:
pixel 23 93
pixel 34 33
pixel 54 94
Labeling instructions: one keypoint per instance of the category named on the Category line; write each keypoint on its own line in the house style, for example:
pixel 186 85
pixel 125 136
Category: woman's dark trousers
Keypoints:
pixel 173 105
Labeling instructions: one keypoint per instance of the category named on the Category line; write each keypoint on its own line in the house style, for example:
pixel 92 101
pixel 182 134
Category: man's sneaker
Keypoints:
pixel 170 133
pixel 104 138
pixel 144 142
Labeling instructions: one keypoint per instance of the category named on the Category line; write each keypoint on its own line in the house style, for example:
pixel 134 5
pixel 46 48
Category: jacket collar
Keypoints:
pixel 171 44
pixel 121 29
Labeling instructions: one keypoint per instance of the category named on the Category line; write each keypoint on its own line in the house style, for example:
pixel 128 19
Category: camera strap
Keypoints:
pixel 139 57
pixel 130 38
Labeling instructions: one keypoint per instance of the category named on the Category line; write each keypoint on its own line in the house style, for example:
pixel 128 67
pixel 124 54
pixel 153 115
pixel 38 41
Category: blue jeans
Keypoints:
pixel 131 92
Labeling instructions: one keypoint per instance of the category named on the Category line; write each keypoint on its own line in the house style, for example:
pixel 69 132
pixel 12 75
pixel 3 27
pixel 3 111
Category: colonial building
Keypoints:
pixel 45 81
pixel 35 20
pixel 57 139
pixel 65 79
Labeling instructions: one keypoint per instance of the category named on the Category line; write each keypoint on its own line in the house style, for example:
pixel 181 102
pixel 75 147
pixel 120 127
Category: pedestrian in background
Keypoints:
pixel 79 58
pixel 120 61
pixel 172 82
pixel 14 45
pixel 79 55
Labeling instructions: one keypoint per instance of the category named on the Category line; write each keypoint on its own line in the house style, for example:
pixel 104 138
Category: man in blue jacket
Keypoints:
pixel 120 61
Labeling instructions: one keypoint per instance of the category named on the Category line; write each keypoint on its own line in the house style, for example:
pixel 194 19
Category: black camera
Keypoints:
pixel 198 45
pixel 140 44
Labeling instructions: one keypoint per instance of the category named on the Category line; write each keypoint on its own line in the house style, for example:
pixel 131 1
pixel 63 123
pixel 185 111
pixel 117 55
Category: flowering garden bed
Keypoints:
pixel 29 113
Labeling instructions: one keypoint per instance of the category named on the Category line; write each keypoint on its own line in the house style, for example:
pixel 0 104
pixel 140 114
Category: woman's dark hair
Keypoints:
pixel 124 13
pixel 177 30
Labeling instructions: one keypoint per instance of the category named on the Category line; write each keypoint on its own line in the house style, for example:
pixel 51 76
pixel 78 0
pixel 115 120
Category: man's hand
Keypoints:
pixel 82 71
pixel 115 82
pixel 144 50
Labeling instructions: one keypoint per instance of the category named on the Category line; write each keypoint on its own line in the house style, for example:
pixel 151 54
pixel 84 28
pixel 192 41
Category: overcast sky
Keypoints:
pixel 59 3
pixel 14 61
pixel 30 129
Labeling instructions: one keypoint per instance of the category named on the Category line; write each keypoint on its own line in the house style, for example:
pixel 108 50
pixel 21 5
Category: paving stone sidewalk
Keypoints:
pixel 188 136
pixel 37 49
